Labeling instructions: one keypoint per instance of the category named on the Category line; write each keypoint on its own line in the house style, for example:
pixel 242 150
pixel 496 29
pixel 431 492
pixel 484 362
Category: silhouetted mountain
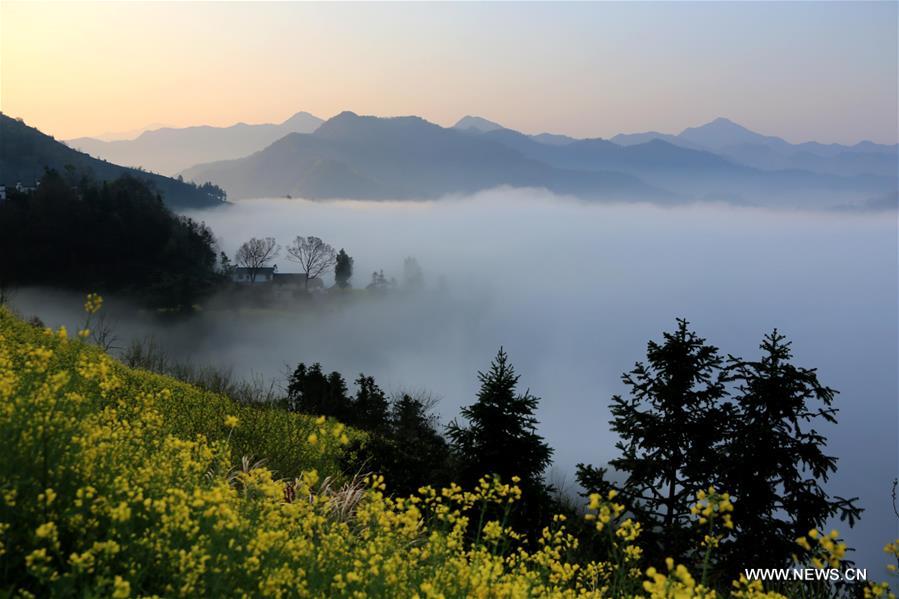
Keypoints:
pixel 130 134
pixel 25 153
pixel 632 139
pixel 748 148
pixel 722 133
pixel 170 150
pixel 365 157
pixel 552 139
pixel 476 123
pixel 697 174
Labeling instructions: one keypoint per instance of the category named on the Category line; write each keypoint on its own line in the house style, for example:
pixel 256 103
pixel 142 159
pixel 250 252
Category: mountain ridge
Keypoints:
pixel 403 158
pixel 170 150
pixel 25 152
pixel 410 157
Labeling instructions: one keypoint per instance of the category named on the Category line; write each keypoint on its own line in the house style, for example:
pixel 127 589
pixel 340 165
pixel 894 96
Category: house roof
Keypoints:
pixel 262 270
pixel 294 278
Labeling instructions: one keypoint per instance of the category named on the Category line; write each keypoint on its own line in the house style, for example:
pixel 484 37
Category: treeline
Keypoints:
pixel 113 236
pixel 314 257
pixel 693 418
pixel 73 231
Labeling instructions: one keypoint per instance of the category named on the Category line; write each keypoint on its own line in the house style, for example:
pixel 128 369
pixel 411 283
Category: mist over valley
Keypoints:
pixel 573 291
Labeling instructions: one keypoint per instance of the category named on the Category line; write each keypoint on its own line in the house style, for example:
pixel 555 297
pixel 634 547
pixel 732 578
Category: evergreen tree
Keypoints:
pixel 411 453
pixel 369 407
pixel 111 236
pixel 343 269
pixel 671 429
pixel 501 437
pixel 310 391
pixel 775 459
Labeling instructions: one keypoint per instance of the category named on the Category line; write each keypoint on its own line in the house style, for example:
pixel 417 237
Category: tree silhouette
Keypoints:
pixel 256 254
pixel 694 419
pixel 410 452
pixel 343 269
pixel 774 460
pixel 370 405
pixel 313 255
pixel 501 437
pixel 310 391
pixel 671 429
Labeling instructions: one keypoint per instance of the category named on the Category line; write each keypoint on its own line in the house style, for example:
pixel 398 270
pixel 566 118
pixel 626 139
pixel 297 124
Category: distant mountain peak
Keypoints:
pixel 722 133
pixel 477 123
pixel 720 124
pixel 303 120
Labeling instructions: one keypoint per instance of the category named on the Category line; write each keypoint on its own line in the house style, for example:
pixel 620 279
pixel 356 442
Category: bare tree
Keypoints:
pixel 255 254
pixel 313 255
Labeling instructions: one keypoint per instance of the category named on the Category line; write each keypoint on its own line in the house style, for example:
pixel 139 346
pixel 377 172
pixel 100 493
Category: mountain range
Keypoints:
pixel 26 152
pixel 367 157
pixel 171 150
pixel 749 148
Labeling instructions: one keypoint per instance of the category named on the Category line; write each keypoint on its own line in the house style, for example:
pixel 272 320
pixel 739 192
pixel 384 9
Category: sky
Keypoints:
pixel 824 71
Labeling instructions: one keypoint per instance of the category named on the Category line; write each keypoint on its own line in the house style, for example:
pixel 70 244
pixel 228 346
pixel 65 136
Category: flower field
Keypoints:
pixel 119 482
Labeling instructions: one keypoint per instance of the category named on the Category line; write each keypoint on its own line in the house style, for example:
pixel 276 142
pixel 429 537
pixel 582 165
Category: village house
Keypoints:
pixel 269 275
pixel 253 276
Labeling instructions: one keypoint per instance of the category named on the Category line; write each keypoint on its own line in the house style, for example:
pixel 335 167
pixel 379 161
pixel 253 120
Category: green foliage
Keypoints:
pixel 402 442
pixel 408 450
pixel 266 432
pixel 109 236
pixel 311 391
pixel 117 482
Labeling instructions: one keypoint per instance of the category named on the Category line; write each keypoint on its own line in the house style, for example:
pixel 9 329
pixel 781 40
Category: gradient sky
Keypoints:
pixel 804 70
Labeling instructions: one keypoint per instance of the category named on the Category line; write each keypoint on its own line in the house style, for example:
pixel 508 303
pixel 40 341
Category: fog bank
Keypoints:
pixel 573 292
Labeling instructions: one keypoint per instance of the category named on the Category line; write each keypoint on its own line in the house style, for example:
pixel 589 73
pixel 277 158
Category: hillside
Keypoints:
pixel 25 153
pixel 366 157
pixel 171 150
pixel 115 236
pixel 119 482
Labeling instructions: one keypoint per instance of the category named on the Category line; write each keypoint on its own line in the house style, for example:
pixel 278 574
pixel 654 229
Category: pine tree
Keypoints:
pixel 671 429
pixel 501 437
pixel 774 458
pixel 310 391
pixel 410 453
pixel 369 406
